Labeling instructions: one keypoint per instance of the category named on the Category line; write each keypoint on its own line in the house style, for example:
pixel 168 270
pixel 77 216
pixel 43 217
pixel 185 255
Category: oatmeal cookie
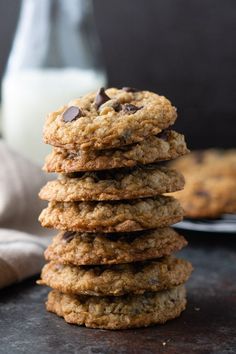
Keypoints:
pixel 207 196
pixel 139 182
pixel 86 248
pixel 116 280
pixel 211 162
pixel 118 312
pixel 116 216
pixel 110 118
pixel 166 146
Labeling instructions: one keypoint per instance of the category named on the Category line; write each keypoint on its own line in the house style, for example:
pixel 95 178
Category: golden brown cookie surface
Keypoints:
pixel 86 248
pixel 117 216
pixel 139 182
pixel 166 146
pixel 116 280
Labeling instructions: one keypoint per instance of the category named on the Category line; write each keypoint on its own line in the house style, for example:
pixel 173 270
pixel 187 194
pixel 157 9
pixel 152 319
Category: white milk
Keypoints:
pixel 27 97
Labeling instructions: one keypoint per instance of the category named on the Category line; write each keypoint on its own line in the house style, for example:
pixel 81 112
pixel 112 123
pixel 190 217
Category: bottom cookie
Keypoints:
pixel 122 312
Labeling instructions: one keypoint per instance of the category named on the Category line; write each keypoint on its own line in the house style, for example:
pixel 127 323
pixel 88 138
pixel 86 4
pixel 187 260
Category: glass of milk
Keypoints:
pixel 55 57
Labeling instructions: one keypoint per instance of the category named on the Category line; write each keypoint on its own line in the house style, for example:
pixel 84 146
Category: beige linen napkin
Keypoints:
pixel 22 239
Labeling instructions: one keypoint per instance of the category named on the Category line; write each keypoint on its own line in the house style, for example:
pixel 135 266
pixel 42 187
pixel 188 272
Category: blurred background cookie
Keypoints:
pixel 210 189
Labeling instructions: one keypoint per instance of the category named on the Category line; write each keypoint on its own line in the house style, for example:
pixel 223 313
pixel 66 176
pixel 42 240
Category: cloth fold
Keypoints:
pixel 22 239
pixel 21 255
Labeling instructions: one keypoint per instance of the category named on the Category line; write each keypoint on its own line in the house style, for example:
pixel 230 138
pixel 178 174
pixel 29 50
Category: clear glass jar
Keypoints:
pixel 55 57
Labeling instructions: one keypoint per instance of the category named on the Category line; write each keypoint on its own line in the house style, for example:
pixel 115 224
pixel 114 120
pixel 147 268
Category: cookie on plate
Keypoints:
pixel 116 280
pixel 165 146
pixel 139 182
pixel 86 248
pixel 207 196
pixel 116 216
pixel 107 119
pixel 118 312
pixel 210 162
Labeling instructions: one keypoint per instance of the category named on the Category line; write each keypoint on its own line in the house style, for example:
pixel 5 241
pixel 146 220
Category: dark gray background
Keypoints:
pixel 184 49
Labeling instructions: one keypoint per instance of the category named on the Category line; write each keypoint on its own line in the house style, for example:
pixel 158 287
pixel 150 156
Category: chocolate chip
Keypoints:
pixel 202 193
pixel 199 157
pixel 72 113
pixel 151 166
pixel 136 311
pixel 125 137
pixel 117 106
pixel 153 281
pixel 101 98
pixel 68 235
pixel 129 89
pixel 130 108
pixel 164 134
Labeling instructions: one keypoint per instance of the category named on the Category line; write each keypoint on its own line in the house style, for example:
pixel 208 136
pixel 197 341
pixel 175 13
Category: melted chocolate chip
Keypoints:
pixel 68 235
pixel 130 108
pixel 72 113
pixel 101 97
pixel 125 137
pixel 129 89
pixel 164 134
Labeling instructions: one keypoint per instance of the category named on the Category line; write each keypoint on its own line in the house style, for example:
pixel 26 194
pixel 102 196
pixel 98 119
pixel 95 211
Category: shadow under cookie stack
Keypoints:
pixel 111 265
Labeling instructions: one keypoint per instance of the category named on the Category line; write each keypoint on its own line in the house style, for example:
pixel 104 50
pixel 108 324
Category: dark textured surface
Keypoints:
pixel 207 326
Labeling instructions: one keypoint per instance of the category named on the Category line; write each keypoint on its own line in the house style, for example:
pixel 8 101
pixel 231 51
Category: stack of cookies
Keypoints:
pixel 111 265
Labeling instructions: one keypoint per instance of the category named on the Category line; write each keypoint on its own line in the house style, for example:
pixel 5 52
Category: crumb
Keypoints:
pixel 164 343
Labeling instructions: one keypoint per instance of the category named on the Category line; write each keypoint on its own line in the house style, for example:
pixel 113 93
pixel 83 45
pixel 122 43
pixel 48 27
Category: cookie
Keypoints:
pixel 211 162
pixel 119 312
pixel 122 216
pixel 87 248
pixel 166 146
pixel 139 182
pixel 207 196
pixel 116 280
pixel 108 119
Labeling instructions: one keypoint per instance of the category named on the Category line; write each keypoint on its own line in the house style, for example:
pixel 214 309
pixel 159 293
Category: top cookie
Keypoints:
pixel 111 118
